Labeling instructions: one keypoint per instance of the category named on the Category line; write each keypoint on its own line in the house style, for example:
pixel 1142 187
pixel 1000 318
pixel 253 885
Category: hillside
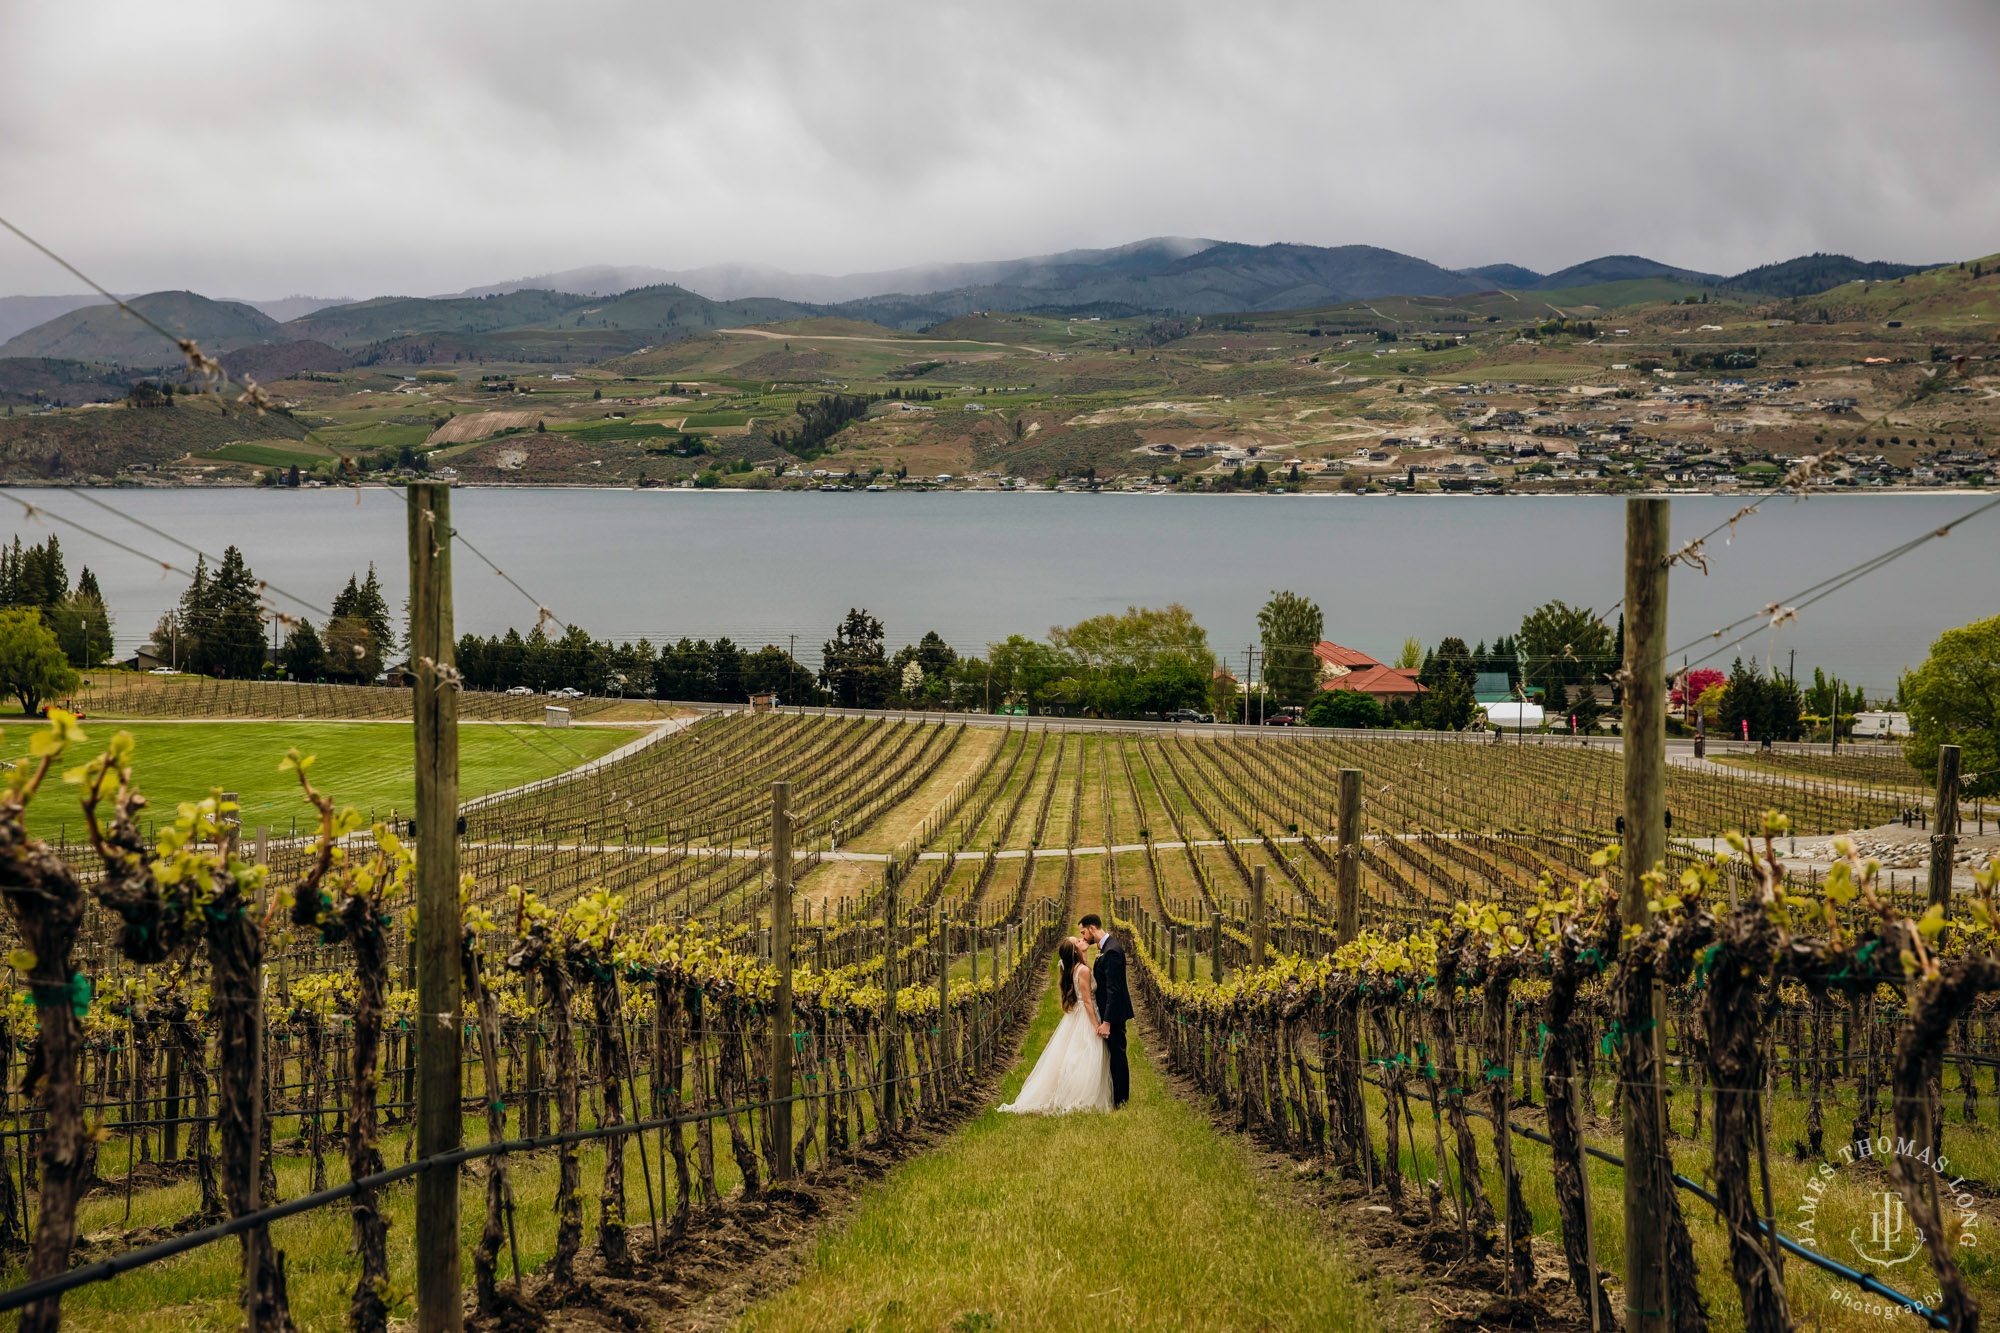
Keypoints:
pixel 1619 268
pixel 1217 279
pixel 353 326
pixel 730 282
pixel 29 381
pixel 1504 275
pixel 18 314
pixel 1962 297
pixel 104 442
pixel 107 333
pixel 528 326
pixel 277 361
pixel 1810 274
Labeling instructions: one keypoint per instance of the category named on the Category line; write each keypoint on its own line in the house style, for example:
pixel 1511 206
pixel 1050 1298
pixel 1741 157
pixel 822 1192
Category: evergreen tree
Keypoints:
pixel 304 657
pixel 1451 656
pixel 1449 705
pixel 1586 709
pixel 853 667
pixel 231 643
pixel 374 612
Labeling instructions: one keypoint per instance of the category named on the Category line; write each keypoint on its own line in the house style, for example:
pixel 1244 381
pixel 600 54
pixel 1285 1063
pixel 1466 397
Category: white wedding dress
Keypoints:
pixel 1074 1073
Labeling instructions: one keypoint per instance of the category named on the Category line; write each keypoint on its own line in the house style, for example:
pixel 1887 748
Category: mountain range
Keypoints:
pixel 592 313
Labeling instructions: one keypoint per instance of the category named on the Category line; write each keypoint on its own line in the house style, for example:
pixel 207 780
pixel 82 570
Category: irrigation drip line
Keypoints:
pixel 1811 1256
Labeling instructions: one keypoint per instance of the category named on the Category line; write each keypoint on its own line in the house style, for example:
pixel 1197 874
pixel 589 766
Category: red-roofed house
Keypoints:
pixel 1346 669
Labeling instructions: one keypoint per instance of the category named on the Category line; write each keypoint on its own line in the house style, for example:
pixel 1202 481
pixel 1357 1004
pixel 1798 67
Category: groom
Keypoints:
pixel 1114 1003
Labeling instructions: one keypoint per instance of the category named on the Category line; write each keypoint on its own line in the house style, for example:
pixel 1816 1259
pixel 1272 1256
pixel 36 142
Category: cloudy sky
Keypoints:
pixel 263 149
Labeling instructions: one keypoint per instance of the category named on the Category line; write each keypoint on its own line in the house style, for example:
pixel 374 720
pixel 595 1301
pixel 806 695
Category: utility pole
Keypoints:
pixel 439 1127
pixel 1646 1162
pixel 1347 918
pixel 781 1001
pixel 1944 829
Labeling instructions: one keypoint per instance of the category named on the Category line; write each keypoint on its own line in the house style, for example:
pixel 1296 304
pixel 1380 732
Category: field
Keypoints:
pixel 369 763
pixel 952 852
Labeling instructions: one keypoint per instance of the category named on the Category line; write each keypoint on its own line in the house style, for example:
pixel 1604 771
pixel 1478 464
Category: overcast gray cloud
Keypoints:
pixel 358 148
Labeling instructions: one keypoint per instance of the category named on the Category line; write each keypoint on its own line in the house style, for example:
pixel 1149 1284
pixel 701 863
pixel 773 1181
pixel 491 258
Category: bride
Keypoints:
pixel 1074 1073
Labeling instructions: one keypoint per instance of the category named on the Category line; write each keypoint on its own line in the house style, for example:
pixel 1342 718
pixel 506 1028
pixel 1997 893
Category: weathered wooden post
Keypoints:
pixel 1215 949
pixel 1647 1290
pixel 944 997
pixel 892 1039
pixel 1944 833
pixel 1347 910
pixel 781 999
pixel 439 1124
pixel 1260 929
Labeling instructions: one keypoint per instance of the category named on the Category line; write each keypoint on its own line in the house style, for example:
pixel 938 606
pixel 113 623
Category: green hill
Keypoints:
pixel 354 326
pixel 1950 295
pixel 1810 274
pixel 107 333
pixel 530 323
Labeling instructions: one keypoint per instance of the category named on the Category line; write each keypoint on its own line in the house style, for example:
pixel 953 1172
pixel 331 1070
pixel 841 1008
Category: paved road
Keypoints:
pixel 1675 745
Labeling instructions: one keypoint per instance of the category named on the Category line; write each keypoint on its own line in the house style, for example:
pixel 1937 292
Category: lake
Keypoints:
pixel 762 567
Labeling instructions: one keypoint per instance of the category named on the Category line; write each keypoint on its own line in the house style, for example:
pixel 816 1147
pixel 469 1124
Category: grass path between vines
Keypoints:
pixel 1143 1219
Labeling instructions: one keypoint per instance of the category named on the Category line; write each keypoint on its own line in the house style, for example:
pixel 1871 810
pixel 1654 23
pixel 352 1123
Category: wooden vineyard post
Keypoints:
pixel 1944 831
pixel 1647 1292
pixel 1347 910
pixel 439 1125
pixel 891 1037
pixel 944 996
pixel 781 999
pixel 1215 948
pixel 1259 927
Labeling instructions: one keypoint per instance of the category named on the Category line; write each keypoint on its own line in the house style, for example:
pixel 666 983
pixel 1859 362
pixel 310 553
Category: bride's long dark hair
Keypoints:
pixel 1069 956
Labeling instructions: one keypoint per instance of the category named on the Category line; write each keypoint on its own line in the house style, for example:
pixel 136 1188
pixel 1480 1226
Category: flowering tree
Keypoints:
pixel 1691 685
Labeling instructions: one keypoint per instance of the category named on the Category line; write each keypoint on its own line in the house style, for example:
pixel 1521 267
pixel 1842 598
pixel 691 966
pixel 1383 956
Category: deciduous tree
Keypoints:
pixel 32 665
pixel 1290 627
pixel 1954 699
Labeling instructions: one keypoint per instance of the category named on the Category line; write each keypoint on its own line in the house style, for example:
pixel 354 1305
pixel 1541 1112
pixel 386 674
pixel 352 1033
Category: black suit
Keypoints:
pixel 1114 1006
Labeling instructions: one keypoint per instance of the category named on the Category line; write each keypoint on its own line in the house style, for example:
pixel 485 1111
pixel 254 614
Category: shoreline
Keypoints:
pixel 1855 492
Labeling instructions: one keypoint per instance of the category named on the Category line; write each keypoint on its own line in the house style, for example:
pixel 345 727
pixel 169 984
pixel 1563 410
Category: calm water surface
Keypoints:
pixel 761 567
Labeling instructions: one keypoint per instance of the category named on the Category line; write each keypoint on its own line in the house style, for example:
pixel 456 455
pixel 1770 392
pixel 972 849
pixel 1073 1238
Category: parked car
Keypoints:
pixel 1188 715
pixel 521 689
pixel 163 671
pixel 566 692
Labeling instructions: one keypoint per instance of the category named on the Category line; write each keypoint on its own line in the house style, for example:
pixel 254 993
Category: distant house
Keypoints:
pixel 1349 669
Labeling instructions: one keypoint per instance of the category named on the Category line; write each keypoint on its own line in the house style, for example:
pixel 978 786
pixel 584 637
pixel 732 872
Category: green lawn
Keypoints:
pixel 1144 1219
pixel 363 764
